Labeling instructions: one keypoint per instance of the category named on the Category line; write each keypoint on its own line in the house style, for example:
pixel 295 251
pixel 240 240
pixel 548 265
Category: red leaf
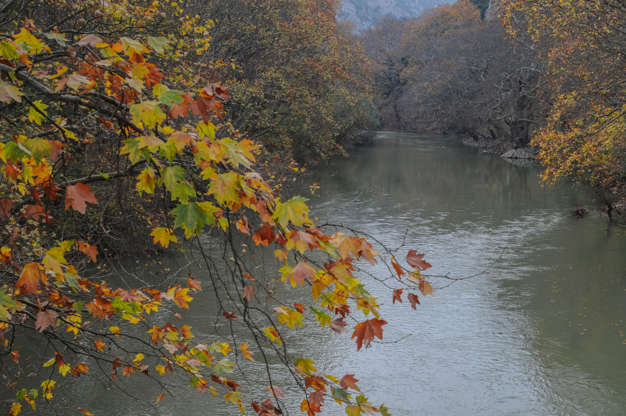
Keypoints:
pixel 348 381
pixel 248 292
pixel 413 299
pixel 76 197
pixel 365 331
pixel 417 261
pixel 397 295
pixel 265 235
pixel 229 315
pixel 46 319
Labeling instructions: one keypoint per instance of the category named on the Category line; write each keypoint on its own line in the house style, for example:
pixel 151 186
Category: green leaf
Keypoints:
pixel 171 97
pixel 147 113
pixel 158 43
pixel 7 304
pixel 294 210
pixel 192 217
pixel 174 181
pixel 224 187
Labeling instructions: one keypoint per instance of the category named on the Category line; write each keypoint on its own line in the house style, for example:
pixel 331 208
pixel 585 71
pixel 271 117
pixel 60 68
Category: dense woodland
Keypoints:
pixel 548 75
pixel 144 123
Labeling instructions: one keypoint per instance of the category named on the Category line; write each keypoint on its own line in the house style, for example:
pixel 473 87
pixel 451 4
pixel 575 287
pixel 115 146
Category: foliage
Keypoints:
pixel 582 43
pixel 111 110
pixel 451 71
pixel 299 80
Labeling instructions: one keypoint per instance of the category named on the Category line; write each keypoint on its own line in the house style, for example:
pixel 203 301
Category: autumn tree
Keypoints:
pixel 299 79
pixel 582 43
pixel 451 71
pixel 114 129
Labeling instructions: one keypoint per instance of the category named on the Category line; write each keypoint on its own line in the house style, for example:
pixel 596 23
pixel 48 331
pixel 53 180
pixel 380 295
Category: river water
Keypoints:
pixel 538 330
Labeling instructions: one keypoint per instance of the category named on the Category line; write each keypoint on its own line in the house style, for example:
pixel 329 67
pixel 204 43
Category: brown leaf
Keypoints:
pixel 413 299
pixel 365 331
pixel 46 319
pixel 397 295
pixel 194 284
pixel 417 261
pixel 248 292
pixel 301 272
pixel 349 381
pixel 338 325
pixel 77 196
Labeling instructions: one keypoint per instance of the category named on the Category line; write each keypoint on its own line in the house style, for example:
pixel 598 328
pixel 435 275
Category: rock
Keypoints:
pixel 522 153
pixel 580 212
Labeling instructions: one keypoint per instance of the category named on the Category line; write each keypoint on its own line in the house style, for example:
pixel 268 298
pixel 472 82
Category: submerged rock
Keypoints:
pixel 522 153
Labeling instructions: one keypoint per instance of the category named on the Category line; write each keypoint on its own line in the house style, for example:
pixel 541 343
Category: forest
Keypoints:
pixel 147 129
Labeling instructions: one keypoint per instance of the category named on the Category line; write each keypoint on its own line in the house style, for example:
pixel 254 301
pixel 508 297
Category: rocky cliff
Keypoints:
pixel 365 13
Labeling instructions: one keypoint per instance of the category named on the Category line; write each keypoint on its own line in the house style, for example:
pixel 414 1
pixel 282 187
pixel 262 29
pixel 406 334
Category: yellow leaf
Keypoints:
pixel 15 410
pixel 305 365
pixel 353 410
pixel 64 369
pixel 146 181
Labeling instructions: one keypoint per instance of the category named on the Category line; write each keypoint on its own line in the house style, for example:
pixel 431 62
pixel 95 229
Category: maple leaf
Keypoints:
pixel 397 267
pixel 163 236
pixel 46 319
pixel 100 345
pixel 90 40
pixel 364 332
pixel 89 250
pixel 80 369
pixel 264 235
pixel 225 188
pixel 181 298
pixel 77 196
pixel 305 366
pixel 417 261
pixel 295 211
pixel 301 272
pixel 412 297
pixel 353 410
pixel 425 288
pixel 10 93
pixel 30 277
pixel 246 352
pixel 349 381
pixel 194 284
pixel 146 181
pixel 338 325
pixel 397 295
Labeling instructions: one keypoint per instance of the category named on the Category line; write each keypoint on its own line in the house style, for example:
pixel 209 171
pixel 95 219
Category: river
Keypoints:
pixel 539 330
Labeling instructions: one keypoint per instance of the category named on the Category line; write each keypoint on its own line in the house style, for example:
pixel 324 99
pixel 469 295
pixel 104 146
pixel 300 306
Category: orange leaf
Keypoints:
pixel 425 288
pixel 30 278
pixel 89 250
pixel 100 345
pixel 397 267
pixel 77 196
pixel 397 295
pixel 194 284
pixel 246 352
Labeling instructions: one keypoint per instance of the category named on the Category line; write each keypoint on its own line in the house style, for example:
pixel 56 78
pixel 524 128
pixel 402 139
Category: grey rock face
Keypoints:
pixel 366 13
